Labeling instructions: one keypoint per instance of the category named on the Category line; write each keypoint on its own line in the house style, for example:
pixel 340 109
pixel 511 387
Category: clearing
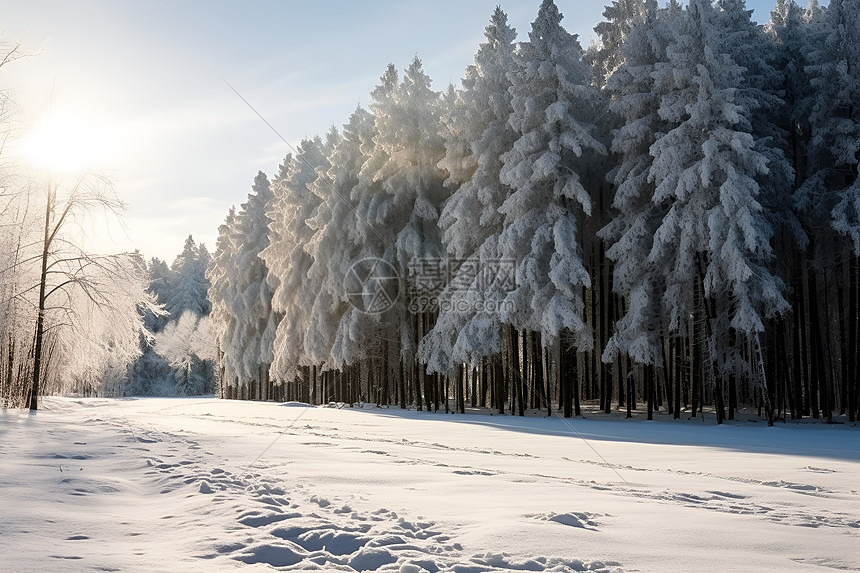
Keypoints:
pixel 204 484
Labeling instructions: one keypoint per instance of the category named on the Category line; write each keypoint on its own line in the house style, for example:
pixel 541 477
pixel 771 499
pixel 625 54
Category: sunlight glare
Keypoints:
pixel 61 144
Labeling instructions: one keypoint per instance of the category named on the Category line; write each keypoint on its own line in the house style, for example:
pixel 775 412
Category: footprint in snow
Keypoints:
pixel 581 520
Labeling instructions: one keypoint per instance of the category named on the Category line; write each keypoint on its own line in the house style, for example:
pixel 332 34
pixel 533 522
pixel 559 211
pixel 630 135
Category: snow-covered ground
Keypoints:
pixel 208 485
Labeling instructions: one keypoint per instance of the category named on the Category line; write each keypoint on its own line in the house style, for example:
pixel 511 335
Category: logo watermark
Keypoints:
pixel 419 304
pixel 374 286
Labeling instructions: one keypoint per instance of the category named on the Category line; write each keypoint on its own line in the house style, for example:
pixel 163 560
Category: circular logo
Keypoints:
pixel 372 285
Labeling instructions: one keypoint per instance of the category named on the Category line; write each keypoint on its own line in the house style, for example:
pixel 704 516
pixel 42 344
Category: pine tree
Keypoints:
pixel 190 285
pixel 336 247
pixel 632 230
pixel 401 189
pixel 286 255
pixel 706 168
pixel 221 294
pixel 160 279
pixel 161 286
pixel 835 119
pixel 477 133
pixel 620 16
pixel 251 302
pixel 554 109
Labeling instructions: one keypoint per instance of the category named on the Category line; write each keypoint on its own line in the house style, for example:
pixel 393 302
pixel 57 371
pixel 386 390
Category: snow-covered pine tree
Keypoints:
pixel 359 334
pixel 190 285
pixel 812 12
pixel 320 247
pixel 399 195
pixel 714 238
pixel 250 303
pixel 763 85
pixel 620 16
pixel 335 246
pixel 828 204
pixel 408 134
pixel 799 222
pixel 160 279
pixel 835 117
pixel 287 256
pixel 793 37
pixel 477 133
pixel 221 293
pixel 160 285
pixel 554 109
pixel 204 258
pixel 631 232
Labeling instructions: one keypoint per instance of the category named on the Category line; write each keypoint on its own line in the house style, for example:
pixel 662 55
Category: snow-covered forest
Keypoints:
pixel 71 320
pixel 78 321
pixel 663 224
pixel 666 219
pixel 178 356
pixel 112 325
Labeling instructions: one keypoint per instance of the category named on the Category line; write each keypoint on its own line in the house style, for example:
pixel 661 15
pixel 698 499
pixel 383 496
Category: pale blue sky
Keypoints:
pixel 182 146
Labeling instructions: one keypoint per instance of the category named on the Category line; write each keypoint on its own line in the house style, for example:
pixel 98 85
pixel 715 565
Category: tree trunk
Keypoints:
pixel 852 382
pixel 40 320
pixel 648 371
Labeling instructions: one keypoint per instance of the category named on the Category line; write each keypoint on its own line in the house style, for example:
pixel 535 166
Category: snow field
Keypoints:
pixel 172 484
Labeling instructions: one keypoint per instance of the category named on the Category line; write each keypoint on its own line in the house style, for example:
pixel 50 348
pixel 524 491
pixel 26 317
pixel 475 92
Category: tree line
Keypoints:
pixel 668 219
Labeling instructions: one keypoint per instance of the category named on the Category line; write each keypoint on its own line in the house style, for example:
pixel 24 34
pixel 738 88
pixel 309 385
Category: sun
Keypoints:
pixel 64 144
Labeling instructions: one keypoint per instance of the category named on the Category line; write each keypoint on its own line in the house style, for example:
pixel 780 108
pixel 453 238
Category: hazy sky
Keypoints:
pixel 144 84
